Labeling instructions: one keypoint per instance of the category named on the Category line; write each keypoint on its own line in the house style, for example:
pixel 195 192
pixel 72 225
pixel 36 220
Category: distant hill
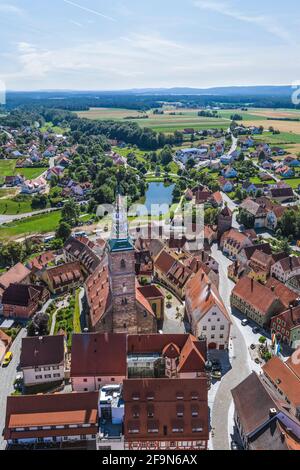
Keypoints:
pixel 219 91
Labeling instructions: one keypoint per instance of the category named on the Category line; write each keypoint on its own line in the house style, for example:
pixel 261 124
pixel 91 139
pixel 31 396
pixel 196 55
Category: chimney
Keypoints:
pixel 273 288
pixel 272 412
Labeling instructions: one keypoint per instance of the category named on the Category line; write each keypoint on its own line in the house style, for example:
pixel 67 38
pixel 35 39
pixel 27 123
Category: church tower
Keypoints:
pixel 224 221
pixel 121 263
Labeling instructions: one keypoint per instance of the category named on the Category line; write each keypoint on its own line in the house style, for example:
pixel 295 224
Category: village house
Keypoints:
pixel 233 241
pixel 262 423
pixel 286 327
pixel 260 266
pixel 55 172
pixel 284 382
pixel 21 301
pixel 207 313
pixel 166 414
pixel 43 360
pixel 282 194
pixel 63 278
pixel 286 268
pixel 59 419
pixel 261 302
pixel 11 181
pixel 225 185
pixel 82 250
pixel 34 186
pixel 124 356
pixel 17 274
pixel 43 260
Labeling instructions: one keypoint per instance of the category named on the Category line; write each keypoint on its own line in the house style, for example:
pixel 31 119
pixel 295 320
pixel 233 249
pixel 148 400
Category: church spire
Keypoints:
pixel 120 239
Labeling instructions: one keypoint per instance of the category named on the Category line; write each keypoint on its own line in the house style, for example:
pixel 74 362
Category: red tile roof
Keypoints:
pixel 16 274
pixel 50 410
pixel 255 294
pixel 187 396
pixel 201 296
pixel 99 354
pixel 42 351
pixel 284 379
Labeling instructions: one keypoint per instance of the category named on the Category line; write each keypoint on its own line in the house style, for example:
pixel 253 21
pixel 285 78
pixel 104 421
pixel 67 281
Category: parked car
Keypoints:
pixel 216 375
pixel 245 322
pixel 256 329
pixel 252 347
pixel 7 359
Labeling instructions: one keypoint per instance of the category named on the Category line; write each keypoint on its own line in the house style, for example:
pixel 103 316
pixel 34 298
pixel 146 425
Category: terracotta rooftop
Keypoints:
pixel 201 296
pixel 285 295
pixel 290 263
pixel 59 409
pixel 16 274
pixel 177 405
pixel 99 354
pixel 65 274
pixel 255 294
pixel 164 261
pixel 42 351
pixel 284 379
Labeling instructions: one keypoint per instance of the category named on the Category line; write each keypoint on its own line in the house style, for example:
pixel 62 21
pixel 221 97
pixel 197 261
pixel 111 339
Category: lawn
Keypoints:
pixel 44 223
pixel 12 207
pixel 56 129
pixel 76 317
pixel 257 180
pixel 293 182
pixel 65 320
pixel 142 157
pixel 8 168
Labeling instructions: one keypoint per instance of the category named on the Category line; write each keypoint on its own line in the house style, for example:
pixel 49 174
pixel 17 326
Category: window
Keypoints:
pixel 222 327
pixel 56 375
pixel 205 328
pixel 48 376
pixel 38 377
pixel 213 328
pixel 123 264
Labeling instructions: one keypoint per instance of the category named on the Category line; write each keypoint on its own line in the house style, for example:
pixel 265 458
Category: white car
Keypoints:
pixel 245 322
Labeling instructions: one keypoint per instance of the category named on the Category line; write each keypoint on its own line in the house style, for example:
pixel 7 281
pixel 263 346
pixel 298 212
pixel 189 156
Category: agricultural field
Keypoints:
pixel 180 119
pixel 183 118
pixel 44 223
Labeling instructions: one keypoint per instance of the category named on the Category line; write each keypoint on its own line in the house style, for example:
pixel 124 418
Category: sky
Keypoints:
pixel 124 44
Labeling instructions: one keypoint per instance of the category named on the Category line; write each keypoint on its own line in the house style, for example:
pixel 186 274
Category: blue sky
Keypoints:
pixel 121 44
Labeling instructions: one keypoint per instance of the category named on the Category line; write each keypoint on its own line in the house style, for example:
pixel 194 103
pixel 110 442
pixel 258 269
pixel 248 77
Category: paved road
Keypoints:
pixel 4 219
pixel 240 363
pixel 7 378
pixel 233 207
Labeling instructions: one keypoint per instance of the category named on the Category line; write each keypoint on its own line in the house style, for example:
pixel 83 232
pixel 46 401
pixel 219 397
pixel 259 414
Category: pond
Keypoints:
pixel 157 194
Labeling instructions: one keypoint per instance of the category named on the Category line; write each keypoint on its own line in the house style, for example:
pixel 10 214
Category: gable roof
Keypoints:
pixel 46 350
pixel 16 274
pixel 99 354
pixel 202 296
pixel 21 295
pixel 284 378
pixel 255 294
pixel 252 403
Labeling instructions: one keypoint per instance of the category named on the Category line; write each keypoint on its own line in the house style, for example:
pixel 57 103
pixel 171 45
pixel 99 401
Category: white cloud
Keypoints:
pixel 224 8
pixel 89 10
pixel 7 8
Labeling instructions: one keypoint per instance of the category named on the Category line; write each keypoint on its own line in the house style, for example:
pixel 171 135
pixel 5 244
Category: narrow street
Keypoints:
pixel 240 363
pixel 7 378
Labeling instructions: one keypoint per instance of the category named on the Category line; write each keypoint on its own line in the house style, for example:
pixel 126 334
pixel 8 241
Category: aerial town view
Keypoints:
pixel 149 227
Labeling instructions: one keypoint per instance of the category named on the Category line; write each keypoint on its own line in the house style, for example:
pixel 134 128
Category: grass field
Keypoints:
pixel 12 207
pixel 56 129
pixel 8 168
pixel 37 224
pixel 293 182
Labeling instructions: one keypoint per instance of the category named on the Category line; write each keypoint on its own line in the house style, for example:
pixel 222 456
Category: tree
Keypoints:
pixel 246 219
pixel 11 253
pixel 63 231
pixel 70 213
pixel 39 201
pixel 166 155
